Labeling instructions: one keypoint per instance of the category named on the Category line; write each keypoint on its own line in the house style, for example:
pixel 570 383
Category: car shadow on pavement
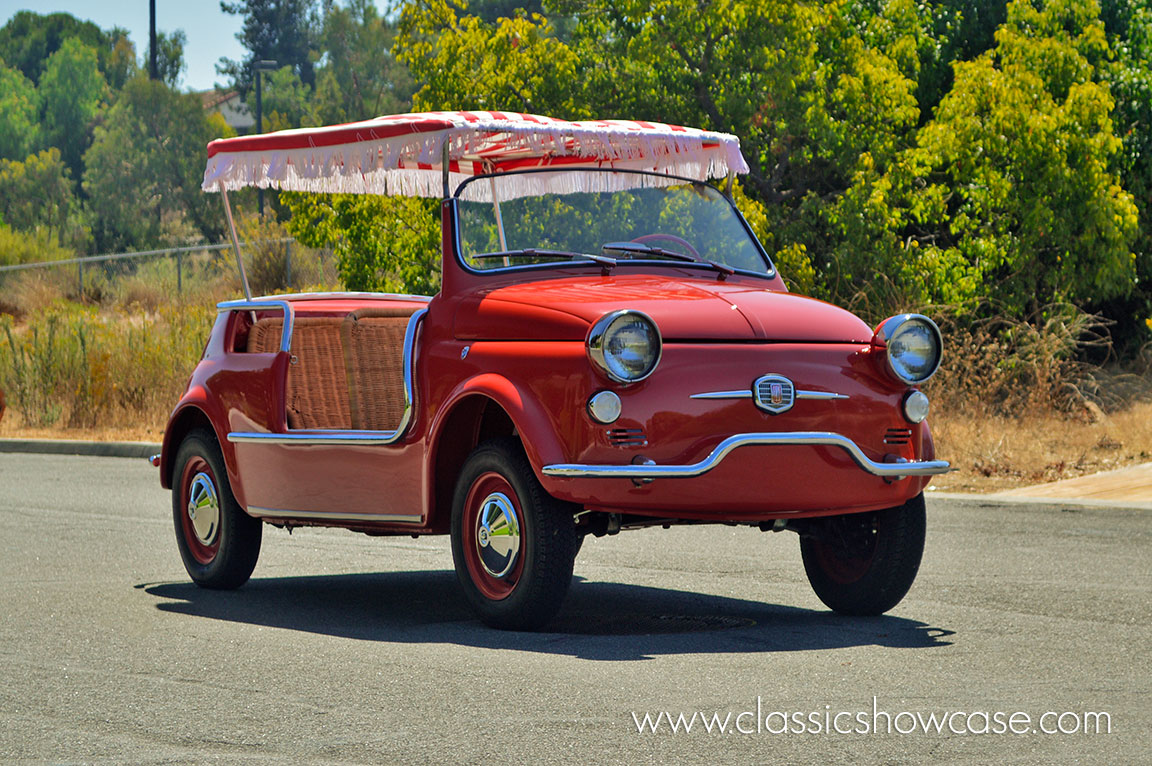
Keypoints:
pixel 599 621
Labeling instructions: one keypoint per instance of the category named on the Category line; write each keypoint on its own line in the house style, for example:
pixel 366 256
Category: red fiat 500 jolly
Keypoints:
pixel 611 349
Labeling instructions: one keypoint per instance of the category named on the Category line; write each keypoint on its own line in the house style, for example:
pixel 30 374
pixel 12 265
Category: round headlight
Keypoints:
pixel 914 346
pixel 625 345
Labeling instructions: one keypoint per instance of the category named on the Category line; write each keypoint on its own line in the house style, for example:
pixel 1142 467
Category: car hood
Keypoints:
pixel 684 310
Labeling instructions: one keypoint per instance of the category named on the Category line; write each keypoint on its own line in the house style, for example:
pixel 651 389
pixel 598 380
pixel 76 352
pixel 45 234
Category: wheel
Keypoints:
pixel 513 544
pixel 656 236
pixel 864 563
pixel 218 541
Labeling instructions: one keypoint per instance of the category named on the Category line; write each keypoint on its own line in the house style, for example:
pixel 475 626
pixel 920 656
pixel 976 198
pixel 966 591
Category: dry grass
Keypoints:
pixel 994 453
pixel 12 427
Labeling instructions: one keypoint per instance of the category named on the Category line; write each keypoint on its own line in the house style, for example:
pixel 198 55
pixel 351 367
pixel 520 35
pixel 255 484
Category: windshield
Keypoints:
pixel 527 219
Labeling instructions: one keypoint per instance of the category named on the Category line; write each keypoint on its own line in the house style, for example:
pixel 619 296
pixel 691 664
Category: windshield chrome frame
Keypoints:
pixel 458 243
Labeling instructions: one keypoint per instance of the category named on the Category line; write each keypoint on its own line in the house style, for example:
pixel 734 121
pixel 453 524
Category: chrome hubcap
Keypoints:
pixel 204 508
pixel 497 534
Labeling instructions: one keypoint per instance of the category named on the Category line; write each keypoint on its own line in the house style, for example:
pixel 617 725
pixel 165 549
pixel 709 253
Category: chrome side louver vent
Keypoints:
pixel 898 436
pixel 627 437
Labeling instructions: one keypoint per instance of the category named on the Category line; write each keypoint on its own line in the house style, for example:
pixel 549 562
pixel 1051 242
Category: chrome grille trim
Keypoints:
pixel 774 393
pixel 747 394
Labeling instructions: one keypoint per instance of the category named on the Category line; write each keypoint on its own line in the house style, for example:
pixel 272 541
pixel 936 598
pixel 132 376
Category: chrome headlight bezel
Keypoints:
pixel 598 341
pixel 888 335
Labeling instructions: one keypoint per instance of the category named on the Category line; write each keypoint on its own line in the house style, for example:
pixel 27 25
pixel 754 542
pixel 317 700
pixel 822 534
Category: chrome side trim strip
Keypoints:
pixel 260 305
pixel 747 394
pixel 794 438
pixel 332 438
pixel 315 438
pixel 822 395
pixel 276 513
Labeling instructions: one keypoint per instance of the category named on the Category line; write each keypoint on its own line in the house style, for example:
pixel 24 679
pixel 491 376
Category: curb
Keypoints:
pixel 73 447
pixel 1077 502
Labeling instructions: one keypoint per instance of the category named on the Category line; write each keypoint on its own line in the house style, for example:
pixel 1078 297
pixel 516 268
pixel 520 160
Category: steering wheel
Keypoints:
pixel 646 238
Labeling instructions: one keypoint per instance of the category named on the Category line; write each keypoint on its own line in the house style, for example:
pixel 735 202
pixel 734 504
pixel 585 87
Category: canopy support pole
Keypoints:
pixel 235 242
pixel 444 166
pixel 499 219
pixel 731 182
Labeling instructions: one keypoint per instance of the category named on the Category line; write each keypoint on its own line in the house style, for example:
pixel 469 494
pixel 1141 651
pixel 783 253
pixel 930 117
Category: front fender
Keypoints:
pixel 533 422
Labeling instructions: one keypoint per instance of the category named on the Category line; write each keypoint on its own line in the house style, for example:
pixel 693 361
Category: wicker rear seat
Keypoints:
pixel 349 372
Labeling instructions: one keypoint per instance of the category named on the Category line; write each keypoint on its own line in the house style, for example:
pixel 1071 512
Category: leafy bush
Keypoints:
pixel 1005 367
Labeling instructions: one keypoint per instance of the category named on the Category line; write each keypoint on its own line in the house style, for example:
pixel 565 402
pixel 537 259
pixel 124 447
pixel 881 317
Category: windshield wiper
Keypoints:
pixel 531 252
pixel 639 247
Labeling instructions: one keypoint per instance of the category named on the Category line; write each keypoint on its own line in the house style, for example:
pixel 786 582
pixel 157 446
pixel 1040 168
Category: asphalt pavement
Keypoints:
pixel 350 649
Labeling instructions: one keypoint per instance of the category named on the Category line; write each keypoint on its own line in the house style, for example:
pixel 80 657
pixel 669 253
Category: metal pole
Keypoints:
pixel 444 164
pixel 235 242
pixel 179 279
pixel 499 219
pixel 288 264
pixel 153 69
pixel 259 129
pixel 264 65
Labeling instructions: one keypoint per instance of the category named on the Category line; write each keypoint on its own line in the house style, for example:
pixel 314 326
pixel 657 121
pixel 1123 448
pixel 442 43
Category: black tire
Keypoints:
pixel 221 545
pixel 864 563
pixel 520 583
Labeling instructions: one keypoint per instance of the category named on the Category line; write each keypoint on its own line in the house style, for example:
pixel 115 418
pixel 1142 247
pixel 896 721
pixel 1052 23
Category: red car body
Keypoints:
pixel 503 357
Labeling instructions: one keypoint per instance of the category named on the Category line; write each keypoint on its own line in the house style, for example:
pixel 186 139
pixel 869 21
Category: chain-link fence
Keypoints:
pixel 175 273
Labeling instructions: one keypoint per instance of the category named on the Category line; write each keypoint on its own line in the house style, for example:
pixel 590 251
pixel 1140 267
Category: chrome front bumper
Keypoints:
pixel 794 438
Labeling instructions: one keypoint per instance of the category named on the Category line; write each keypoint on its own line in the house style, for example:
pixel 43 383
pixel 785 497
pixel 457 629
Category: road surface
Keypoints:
pixel 348 649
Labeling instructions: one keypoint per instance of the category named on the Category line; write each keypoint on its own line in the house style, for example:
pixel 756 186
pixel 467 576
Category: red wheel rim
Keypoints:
pixel 846 554
pixel 491 488
pixel 203 539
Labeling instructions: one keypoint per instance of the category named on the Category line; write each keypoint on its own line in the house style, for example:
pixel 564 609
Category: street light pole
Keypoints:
pixel 152 68
pixel 258 67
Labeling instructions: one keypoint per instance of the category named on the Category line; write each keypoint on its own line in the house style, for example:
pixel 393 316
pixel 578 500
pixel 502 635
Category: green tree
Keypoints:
pixel 170 56
pixel 144 170
pixel 1010 190
pixel 283 31
pixel 19 114
pixel 121 62
pixel 36 194
pixel 466 63
pixel 1128 24
pixel 29 39
pixel 360 78
pixel 381 243
pixel 71 92
pixel 287 101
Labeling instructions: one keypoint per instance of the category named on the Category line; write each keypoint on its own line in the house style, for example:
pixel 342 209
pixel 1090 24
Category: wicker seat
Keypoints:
pixel 374 363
